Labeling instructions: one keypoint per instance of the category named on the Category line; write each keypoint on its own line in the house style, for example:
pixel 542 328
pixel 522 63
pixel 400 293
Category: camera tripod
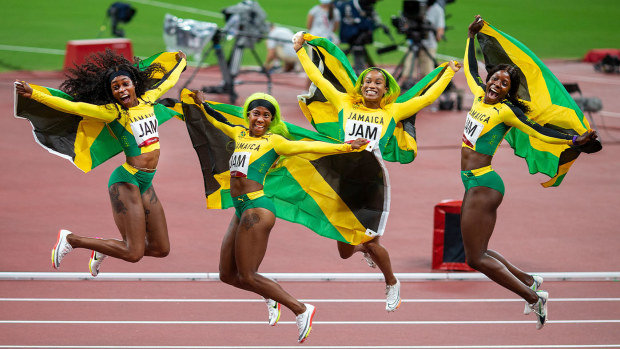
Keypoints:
pixel 445 102
pixel 361 58
pixel 230 68
pixel 415 47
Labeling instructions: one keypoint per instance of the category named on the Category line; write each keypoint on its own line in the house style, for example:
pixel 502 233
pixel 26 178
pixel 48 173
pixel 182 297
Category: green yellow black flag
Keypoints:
pixel 85 142
pixel 344 197
pixel 397 146
pixel 550 104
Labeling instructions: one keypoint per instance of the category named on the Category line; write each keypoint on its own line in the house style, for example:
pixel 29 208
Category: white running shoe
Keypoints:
pixel 538 280
pixel 392 292
pixel 369 260
pixel 61 248
pixel 96 258
pixel 540 309
pixel 274 311
pixel 304 322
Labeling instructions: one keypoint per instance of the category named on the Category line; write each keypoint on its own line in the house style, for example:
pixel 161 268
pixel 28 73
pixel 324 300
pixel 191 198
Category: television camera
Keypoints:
pixel 246 21
pixel 412 22
pixel 117 13
pixel 245 25
pixel 358 21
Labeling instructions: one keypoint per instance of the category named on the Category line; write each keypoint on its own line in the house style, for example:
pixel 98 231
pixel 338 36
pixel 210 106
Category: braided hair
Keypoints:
pixel 515 82
pixel 90 82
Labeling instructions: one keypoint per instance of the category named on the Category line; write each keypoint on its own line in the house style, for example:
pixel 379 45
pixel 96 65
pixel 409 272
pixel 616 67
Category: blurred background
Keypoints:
pixel 35 33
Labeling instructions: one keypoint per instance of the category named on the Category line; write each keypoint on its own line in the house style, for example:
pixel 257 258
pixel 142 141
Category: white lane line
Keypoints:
pixel 188 9
pixel 31 49
pixel 582 78
pixel 212 276
pixel 610 114
pixel 537 346
pixel 262 322
pixel 194 11
pixel 228 300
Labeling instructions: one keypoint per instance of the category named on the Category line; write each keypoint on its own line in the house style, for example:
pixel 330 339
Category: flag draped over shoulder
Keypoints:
pixel 323 116
pixel 85 142
pixel 551 106
pixel 344 197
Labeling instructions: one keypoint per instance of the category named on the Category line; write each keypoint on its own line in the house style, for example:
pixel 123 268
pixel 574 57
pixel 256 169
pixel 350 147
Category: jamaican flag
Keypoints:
pixel 85 142
pixel 344 197
pixel 323 116
pixel 549 102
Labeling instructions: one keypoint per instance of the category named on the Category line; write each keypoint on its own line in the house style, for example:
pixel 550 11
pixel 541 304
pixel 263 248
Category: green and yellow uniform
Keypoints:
pixel 254 156
pixel 376 125
pixel 136 128
pixel 487 124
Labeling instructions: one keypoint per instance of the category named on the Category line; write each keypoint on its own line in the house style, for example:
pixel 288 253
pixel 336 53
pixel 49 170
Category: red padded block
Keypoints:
pixel 597 55
pixel 78 50
pixel 448 251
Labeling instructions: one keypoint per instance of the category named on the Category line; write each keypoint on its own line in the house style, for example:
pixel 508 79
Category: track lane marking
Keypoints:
pixel 552 346
pixel 262 322
pixel 224 300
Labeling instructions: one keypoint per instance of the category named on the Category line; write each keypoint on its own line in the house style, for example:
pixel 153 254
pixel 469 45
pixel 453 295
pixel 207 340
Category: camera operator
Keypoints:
pixel 280 48
pixel 358 21
pixel 429 27
pixel 324 20
pixel 247 21
pixel 436 20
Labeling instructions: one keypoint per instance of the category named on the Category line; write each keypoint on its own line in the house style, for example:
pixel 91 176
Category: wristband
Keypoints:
pixel 574 139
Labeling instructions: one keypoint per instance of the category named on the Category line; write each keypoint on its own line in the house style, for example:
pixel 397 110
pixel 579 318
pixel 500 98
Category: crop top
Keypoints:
pixel 136 128
pixel 254 156
pixel 357 120
pixel 487 124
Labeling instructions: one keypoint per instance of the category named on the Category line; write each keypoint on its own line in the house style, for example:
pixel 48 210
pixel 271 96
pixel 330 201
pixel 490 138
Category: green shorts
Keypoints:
pixel 128 174
pixel 252 200
pixel 482 177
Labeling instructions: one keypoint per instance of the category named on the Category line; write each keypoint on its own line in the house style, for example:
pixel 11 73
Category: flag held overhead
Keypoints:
pixel 85 142
pixel 550 106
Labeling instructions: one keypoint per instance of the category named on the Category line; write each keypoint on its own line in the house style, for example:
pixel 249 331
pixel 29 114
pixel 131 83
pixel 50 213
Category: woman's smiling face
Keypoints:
pixel 124 91
pixel 497 87
pixel 259 120
pixel 373 87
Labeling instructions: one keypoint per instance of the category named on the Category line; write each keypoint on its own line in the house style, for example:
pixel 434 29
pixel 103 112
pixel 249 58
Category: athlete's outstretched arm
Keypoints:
pixel 314 74
pixel 406 109
pixel 474 81
pixel 214 117
pixel 105 113
pixel 285 147
pixel 519 120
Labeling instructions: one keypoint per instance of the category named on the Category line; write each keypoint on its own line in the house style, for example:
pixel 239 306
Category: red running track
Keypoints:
pixel 567 229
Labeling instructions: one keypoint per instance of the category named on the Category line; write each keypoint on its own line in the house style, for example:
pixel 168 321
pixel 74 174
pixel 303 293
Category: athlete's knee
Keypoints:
pixel 157 250
pixel 160 252
pixel 345 250
pixel 133 256
pixel 247 280
pixel 475 261
pixel 345 254
pixel 373 246
pixel 227 278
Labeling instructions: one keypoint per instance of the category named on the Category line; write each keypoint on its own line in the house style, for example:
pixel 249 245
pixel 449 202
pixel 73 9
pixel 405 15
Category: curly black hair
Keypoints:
pixel 515 81
pixel 90 82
